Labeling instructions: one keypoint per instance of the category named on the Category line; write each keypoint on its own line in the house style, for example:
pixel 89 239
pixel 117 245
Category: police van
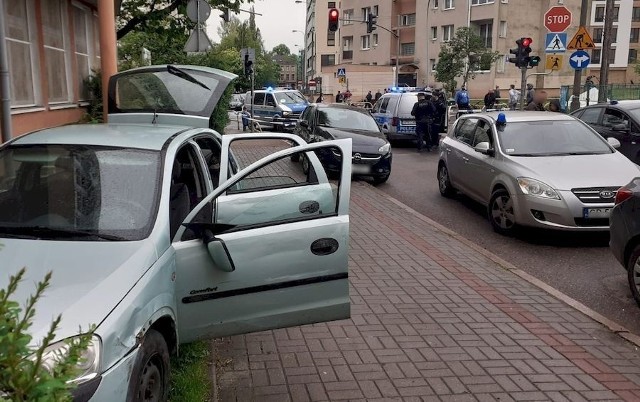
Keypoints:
pixel 277 109
pixel 393 113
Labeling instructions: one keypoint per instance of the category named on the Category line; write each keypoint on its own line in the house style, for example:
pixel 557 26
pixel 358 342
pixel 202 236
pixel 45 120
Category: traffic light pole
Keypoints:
pixel 523 86
pixel 253 80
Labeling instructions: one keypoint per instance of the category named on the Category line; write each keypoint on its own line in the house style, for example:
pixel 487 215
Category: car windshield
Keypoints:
pixel 346 119
pixel 73 192
pixel 550 138
pixel 290 97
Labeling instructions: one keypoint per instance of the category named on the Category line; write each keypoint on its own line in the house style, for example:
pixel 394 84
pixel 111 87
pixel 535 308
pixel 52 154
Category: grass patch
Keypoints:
pixel 190 373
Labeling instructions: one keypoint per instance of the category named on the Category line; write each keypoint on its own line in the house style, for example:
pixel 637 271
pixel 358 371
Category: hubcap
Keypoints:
pixel 151 381
pixel 502 212
pixel 444 178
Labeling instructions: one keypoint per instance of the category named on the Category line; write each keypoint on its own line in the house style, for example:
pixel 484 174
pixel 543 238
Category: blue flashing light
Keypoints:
pixel 502 119
pixel 269 88
pixel 614 102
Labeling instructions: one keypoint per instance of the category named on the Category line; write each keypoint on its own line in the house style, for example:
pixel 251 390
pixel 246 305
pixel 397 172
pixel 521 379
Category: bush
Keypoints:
pixel 23 377
pixel 220 116
pixel 94 113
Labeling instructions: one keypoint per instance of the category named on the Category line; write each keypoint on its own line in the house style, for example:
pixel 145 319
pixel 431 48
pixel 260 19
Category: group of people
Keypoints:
pixel 535 99
pixel 429 111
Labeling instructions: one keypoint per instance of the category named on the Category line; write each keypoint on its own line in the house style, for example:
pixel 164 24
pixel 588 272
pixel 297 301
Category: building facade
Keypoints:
pixel 288 70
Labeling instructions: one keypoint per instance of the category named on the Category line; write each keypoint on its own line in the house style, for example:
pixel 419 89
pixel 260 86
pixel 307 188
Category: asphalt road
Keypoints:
pixel 579 265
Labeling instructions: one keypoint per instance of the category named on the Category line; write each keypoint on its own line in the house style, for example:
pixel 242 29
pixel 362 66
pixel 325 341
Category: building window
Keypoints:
pixel 408 49
pixel 434 33
pixel 331 38
pixel 54 23
pixel 447 33
pixel 332 4
pixel 432 62
pixel 614 35
pixel 375 40
pixel 635 34
pixel 599 17
pixel 365 42
pixel 328 60
pixel 486 35
pixel 347 43
pixel 365 13
pixel 633 55
pixel 503 29
pixel 448 5
pixel 408 20
pixel 595 56
pixel 375 10
pixel 635 17
pixel 20 23
pixel 281 77
pixel 435 4
pixel 478 2
pixel 616 13
pixel 500 64
pixel 84 47
pixel 347 17
pixel 597 35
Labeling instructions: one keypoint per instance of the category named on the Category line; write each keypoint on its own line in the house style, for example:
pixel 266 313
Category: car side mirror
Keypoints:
pixel 304 123
pixel 621 128
pixel 220 255
pixel 613 142
pixel 484 148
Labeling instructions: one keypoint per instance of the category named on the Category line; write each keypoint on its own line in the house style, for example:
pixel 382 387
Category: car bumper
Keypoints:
pixel 113 384
pixel 373 167
pixel 619 236
pixel 564 214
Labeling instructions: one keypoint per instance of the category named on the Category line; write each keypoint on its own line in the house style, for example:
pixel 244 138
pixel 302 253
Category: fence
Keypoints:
pixel 589 94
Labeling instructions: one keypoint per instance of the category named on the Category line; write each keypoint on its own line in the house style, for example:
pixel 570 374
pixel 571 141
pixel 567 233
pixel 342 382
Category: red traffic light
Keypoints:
pixel 334 17
pixel 526 42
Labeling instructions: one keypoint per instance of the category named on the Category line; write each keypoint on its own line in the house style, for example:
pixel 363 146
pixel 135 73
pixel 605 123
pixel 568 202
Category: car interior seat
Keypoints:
pixel 179 199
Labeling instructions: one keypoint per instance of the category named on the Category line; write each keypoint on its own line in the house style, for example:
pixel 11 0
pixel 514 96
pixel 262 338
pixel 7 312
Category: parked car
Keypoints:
pixel 625 233
pixel 276 109
pixel 617 119
pixel 371 150
pixel 236 102
pixel 154 232
pixel 536 169
pixel 393 113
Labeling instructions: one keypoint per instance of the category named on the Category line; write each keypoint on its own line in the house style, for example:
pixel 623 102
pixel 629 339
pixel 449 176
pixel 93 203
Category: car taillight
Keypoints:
pixel 623 194
pixel 395 122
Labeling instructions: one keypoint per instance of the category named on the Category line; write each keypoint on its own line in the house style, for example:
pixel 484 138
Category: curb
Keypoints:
pixel 616 328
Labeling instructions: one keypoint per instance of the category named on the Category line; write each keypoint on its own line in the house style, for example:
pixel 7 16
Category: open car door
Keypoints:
pixel 275 253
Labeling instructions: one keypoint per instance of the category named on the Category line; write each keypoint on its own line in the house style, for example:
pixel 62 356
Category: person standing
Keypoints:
pixel 497 93
pixel 320 99
pixel 438 121
pixel 369 97
pixel 423 110
pixel 462 98
pixel 378 95
pixel 490 99
pixel 339 97
pixel 530 93
pixel 514 97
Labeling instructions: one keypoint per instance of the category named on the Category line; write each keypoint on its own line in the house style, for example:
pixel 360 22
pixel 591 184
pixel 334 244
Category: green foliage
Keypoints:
pixel 281 49
pixel 94 113
pixel 463 56
pixel 22 375
pixel 220 116
pixel 190 374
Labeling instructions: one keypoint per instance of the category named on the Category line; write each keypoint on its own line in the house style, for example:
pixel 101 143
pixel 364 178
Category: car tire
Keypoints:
pixel 501 212
pixel 149 379
pixel 381 179
pixel 444 182
pixel 633 274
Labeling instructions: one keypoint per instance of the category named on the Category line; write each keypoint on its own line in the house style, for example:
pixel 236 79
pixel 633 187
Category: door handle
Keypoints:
pixel 324 246
pixel 309 207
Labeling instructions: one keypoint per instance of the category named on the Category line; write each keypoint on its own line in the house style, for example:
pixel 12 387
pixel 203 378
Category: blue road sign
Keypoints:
pixel 556 43
pixel 579 60
pixel 342 72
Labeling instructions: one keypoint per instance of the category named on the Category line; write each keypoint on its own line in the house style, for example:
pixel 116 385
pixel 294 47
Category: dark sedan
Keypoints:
pixel 625 233
pixel 619 120
pixel 371 150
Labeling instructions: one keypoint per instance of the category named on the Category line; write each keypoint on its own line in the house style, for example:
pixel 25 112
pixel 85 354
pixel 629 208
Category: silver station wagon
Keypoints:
pixel 161 231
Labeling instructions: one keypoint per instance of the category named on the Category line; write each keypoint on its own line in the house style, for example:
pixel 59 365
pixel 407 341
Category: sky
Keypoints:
pixel 278 19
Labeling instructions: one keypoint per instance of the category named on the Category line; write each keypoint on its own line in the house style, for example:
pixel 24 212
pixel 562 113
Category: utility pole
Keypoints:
pixel 523 86
pixel 577 77
pixel 606 50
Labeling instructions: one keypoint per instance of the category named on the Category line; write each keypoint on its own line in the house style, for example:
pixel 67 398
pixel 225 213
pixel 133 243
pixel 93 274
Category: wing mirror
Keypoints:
pixel 613 142
pixel 216 247
pixel 485 148
pixel 621 127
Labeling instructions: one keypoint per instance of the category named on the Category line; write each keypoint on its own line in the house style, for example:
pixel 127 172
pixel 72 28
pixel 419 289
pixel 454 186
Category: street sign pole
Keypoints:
pixel 575 102
pixel 253 80
pixel 523 86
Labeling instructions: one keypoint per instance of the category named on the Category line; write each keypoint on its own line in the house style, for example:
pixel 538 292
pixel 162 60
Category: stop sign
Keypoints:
pixel 557 19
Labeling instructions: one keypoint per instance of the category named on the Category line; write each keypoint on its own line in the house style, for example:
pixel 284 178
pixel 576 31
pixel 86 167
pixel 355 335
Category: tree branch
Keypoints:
pixel 133 23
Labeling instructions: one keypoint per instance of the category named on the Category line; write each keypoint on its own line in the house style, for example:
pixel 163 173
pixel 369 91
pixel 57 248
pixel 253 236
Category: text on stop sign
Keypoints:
pixel 558 19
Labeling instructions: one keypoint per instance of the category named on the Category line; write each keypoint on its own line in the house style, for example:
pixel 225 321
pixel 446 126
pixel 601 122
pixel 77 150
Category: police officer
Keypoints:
pixel 438 121
pixel 424 111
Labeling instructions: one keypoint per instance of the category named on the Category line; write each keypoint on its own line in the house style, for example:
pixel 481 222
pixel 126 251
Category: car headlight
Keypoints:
pixel 385 148
pixel 88 366
pixel 286 113
pixel 537 188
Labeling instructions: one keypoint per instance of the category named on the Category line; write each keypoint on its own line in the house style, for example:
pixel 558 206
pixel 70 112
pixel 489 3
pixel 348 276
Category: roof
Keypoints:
pixel 520 116
pixel 140 136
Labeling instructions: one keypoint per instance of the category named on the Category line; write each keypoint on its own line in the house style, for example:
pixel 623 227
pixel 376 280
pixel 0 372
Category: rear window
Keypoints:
pixel 406 102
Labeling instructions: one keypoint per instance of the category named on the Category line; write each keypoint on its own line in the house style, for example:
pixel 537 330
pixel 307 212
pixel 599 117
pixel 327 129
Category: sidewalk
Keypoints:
pixel 432 319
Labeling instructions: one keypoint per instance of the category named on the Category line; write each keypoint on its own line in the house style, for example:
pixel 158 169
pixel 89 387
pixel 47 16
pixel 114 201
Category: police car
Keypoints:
pixel 393 113
pixel 277 109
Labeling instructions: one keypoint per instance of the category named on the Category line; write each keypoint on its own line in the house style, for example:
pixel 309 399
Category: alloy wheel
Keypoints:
pixel 502 212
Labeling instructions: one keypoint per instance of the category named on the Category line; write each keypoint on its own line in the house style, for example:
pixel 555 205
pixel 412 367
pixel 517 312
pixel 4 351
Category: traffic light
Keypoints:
pixel 334 18
pixel 248 65
pixel 371 23
pixel 521 53
pixel 535 60
pixel 526 50
pixel 225 14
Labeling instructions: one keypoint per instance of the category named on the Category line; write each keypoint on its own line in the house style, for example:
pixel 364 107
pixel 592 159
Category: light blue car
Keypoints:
pixel 161 231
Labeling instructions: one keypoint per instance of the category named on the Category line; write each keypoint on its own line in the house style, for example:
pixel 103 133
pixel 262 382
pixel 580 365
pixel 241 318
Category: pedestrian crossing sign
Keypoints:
pixel 581 40
pixel 554 62
pixel 342 72
pixel 556 43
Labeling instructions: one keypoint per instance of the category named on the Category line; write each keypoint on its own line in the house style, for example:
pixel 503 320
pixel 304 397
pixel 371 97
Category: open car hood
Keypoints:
pixel 167 94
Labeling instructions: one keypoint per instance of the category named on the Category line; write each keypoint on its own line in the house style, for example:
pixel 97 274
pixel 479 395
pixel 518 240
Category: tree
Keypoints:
pixel 145 15
pixel 463 56
pixel 281 49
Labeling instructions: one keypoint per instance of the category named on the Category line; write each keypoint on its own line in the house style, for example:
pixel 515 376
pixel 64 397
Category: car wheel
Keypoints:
pixel 444 184
pixel 633 273
pixel 501 213
pixel 150 374
pixel 380 179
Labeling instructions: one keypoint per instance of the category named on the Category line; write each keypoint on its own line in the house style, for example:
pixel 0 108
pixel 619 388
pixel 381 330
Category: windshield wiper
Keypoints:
pixel 185 76
pixel 38 231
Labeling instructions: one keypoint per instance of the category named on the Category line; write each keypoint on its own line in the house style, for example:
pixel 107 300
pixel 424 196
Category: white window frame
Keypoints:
pixel 374 40
pixel 33 53
pixel 363 39
pixel 408 20
pixel 481 2
pixel 347 17
pixel 449 4
pixel 347 43
pixel 67 49
pixel 447 29
pixel 434 33
pixel 502 29
pixel 408 44
pixel 433 65
pixel 92 57
pixel 435 4
pixel 365 13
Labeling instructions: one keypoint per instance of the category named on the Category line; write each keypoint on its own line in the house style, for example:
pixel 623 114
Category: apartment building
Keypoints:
pixel 321 46
pixel 288 70
pixel 624 53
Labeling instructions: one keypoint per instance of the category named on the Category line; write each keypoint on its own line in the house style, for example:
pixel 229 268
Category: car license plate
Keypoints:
pixel 595 213
pixel 360 169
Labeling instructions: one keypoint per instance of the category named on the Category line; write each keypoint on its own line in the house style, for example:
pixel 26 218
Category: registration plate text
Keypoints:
pixel 595 213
